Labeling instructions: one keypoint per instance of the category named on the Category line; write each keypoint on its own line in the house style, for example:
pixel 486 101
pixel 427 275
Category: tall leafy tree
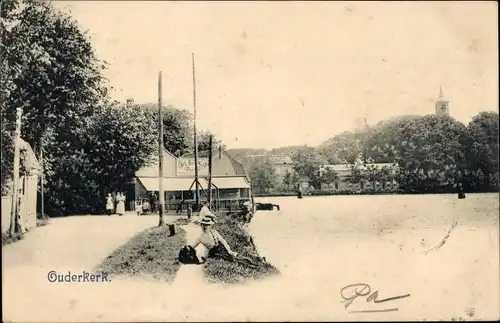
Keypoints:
pixel 177 129
pixel 49 68
pixel 429 152
pixel 343 148
pixel 307 161
pixel 482 151
pixel 263 177
pixel 203 140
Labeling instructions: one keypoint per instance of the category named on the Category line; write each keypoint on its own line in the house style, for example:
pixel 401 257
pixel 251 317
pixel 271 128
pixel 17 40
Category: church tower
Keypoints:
pixel 442 105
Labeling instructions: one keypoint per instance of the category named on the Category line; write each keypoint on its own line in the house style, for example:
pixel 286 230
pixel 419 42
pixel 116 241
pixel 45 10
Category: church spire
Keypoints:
pixel 442 105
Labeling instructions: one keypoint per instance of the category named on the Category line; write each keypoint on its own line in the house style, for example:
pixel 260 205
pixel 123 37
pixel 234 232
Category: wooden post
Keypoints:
pixel 197 196
pixel 42 183
pixel 15 191
pixel 210 172
pixel 160 154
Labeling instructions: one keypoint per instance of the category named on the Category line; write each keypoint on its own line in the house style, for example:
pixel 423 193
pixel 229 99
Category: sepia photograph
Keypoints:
pixel 249 161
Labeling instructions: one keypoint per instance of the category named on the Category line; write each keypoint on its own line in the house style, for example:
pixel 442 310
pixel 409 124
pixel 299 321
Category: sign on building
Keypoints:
pixel 185 166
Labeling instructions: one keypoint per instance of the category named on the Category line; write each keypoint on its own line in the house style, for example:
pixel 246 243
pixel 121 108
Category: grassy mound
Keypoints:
pixel 150 253
pixel 222 271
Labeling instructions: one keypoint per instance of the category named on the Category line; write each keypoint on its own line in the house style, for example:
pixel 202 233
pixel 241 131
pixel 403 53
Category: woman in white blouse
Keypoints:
pixel 217 246
pixel 214 243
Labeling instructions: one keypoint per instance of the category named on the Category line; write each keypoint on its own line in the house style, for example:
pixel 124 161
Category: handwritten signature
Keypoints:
pixel 350 292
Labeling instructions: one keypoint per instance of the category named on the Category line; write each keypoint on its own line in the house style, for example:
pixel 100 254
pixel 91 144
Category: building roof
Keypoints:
pixel 280 160
pixel 239 170
pixel 28 157
pixel 224 166
pixel 347 167
pixel 28 161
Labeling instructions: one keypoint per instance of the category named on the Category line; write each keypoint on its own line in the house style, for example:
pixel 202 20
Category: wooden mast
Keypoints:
pixel 210 172
pixel 197 194
pixel 160 154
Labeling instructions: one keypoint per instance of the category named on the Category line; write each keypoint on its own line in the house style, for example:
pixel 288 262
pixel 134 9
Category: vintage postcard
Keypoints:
pixel 209 161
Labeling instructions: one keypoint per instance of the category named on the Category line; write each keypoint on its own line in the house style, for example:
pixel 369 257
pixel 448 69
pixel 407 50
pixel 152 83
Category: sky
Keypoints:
pixel 272 74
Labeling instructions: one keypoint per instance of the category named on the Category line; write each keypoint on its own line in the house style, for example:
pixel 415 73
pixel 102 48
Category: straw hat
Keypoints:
pixel 247 203
pixel 207 221
pixel 210 217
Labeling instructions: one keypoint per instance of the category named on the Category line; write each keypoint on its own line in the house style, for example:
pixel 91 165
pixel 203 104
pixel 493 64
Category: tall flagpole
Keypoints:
pixel 160 154
pixel 210 172
pixel 197 196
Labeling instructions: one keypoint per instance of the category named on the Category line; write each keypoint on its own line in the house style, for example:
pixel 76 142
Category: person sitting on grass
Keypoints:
pixel 216 245
pixel 205 213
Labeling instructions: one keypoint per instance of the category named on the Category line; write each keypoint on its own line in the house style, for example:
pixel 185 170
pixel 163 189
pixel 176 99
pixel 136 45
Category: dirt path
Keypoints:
pixel 191 275
pixel 73 244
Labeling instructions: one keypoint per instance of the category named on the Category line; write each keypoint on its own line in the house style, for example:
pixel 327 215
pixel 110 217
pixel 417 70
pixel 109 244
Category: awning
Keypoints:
pixel 171 184
pixel 230 182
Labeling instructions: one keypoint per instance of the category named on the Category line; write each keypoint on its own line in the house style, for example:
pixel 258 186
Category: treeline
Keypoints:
pixel 91 144
pixel 430 151
pixel 432 154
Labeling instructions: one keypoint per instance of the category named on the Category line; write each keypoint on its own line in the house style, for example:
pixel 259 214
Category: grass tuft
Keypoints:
pixel 151 253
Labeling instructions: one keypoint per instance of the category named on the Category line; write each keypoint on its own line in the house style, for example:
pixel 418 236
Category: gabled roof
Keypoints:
pixel 224 166
pixel 28 157
pixel 280 160
pixel 239 170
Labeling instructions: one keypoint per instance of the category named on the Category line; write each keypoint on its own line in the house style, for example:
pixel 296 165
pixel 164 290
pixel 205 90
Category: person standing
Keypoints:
pixel 205 211
pixel 120 207
pixel 109 204
pixel 153 202
pixel 189 211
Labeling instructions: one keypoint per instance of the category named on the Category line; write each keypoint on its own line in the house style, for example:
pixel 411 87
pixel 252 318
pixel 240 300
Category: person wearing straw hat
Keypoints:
pixel 211 239
pixel 247 211
pixel 205 211
pixel 216 246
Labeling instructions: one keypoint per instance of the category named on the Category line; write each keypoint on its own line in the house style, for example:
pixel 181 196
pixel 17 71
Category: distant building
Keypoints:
pixel 28 190
pixel 281 164
pixel 303 183
pixel 442 106
pixel 345 182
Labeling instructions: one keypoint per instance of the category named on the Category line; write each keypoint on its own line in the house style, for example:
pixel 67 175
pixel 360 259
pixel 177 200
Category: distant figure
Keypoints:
pixel 247 212
pixel 153 202
pixel 138 206
pixel 120 206
pixel 109 204
pixel 461 194
pixel 179 208
pixel 189 211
